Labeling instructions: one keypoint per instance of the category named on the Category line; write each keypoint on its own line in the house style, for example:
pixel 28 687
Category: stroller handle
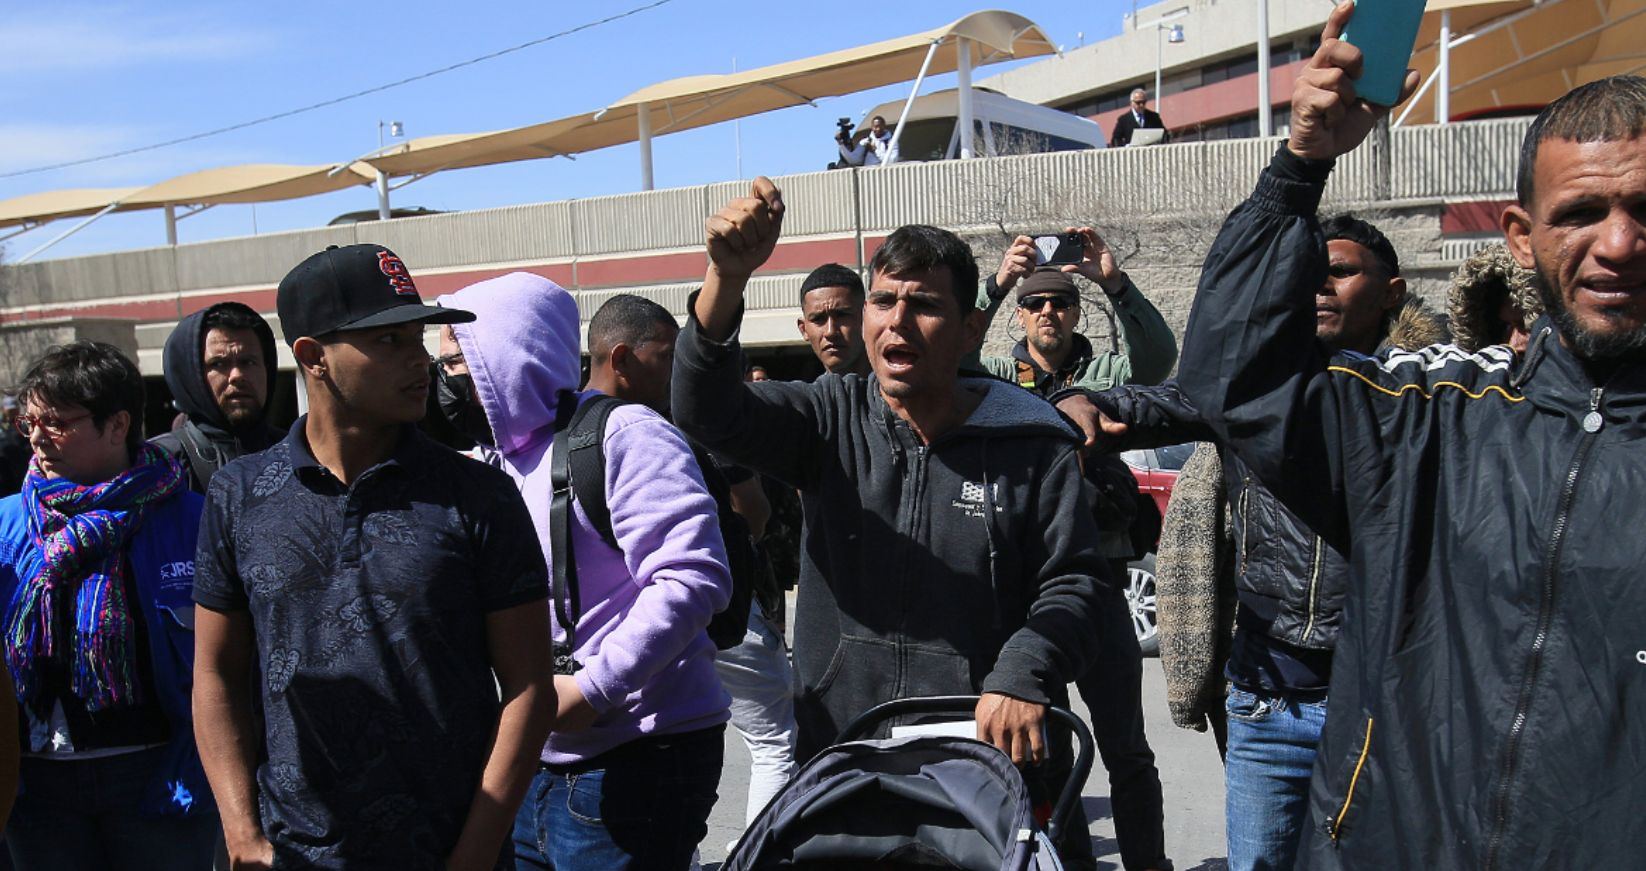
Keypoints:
pixel 1066 803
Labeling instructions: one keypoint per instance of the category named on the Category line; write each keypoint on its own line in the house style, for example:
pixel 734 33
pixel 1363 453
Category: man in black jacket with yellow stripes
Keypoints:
pixel 1487 684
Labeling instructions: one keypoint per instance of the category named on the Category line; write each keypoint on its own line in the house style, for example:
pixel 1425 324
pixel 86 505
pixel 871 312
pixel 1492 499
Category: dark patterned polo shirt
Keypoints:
pixel 369 603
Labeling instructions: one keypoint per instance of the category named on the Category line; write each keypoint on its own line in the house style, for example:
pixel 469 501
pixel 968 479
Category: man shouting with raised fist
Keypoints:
pixel 949 548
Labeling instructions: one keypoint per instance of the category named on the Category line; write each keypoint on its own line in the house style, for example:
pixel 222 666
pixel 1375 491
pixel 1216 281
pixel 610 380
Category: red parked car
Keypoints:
pixel 1156 471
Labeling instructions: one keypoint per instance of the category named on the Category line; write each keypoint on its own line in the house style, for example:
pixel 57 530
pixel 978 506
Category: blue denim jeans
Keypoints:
pixel 1271 754
pixel 641 807
pixel 76 814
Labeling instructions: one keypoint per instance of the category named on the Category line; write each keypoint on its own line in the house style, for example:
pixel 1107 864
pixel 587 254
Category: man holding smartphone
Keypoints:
pixel 1051 356
pixel 1049 359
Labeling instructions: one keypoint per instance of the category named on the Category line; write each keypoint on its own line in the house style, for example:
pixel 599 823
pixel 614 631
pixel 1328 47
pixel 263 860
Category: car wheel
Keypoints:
pixel 1140 603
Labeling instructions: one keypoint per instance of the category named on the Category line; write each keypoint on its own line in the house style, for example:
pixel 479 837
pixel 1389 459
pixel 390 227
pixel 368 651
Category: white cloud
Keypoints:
pixel 69 37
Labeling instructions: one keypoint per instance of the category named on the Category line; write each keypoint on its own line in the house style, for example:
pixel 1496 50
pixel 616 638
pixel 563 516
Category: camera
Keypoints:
pixel 845 125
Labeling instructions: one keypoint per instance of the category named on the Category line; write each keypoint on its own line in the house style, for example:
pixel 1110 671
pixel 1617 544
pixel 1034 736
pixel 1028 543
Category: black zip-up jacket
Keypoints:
pixel 1489 691
pixel 916 579
pixel 1288 578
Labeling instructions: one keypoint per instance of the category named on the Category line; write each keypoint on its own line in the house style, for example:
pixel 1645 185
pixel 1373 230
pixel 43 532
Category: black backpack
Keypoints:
pixel 579 469
pixel 1120 505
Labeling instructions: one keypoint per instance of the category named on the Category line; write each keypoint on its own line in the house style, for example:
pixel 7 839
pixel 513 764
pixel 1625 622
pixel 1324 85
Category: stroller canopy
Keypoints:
pixel 932 802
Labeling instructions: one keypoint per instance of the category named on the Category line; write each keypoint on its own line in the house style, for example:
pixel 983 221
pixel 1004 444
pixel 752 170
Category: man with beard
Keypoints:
pixel 1051 358
pixel 220 365
pixel 1051 355
pixel 1485 686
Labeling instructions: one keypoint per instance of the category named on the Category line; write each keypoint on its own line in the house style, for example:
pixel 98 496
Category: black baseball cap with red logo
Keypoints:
pixel 354 287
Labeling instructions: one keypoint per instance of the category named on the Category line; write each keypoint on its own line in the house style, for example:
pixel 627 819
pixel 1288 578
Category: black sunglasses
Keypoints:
pixel 1035 303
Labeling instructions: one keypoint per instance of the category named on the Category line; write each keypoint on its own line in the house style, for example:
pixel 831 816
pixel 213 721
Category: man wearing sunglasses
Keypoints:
pixel 1050 359
pixel 1139 118
pixel 1051 356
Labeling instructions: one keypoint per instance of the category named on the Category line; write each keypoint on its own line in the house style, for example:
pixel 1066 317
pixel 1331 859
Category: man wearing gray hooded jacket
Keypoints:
pixel 220 366
pixel 949 546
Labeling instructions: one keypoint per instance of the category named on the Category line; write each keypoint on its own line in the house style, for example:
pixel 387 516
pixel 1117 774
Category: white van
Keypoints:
pixel 1001 125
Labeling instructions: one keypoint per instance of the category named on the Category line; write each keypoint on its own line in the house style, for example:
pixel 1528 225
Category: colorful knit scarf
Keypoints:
pixel 81 533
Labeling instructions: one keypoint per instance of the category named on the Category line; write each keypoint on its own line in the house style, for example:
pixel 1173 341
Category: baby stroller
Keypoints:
pixel 924 802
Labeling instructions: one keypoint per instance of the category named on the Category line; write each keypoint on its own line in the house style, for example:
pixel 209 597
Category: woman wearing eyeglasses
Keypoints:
pixel 97 573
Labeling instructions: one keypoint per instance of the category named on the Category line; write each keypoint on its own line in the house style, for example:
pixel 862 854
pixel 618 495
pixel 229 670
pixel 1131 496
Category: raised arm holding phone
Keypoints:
pixel 1481 693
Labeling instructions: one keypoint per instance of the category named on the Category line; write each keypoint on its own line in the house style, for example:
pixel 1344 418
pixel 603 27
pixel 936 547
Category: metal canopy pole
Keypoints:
pixel 382 195
pixel 383 180
pixel 1443 96
pixel 171 223
pixel 69 232
pixel 644 115
pixel 914 92
pixel 1412 103
pixel 1265 111
pixel 1158 59
pixel 963 56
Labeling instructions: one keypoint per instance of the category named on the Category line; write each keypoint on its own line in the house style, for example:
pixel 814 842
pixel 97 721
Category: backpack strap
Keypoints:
pixel 587 457
pixel 564 585
pixel 204 457
pixel 577 468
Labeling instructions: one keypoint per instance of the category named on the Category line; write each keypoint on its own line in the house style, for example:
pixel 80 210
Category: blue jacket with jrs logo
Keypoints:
pixel 162 557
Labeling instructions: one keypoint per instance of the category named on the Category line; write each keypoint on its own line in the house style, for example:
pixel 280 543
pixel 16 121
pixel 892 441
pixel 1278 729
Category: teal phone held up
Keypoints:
pixel 1385 32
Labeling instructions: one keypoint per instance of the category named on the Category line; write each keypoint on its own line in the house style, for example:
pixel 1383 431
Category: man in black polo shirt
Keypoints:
pixel 365 583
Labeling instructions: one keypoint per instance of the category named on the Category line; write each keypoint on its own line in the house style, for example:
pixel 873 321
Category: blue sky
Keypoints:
pixel 84 79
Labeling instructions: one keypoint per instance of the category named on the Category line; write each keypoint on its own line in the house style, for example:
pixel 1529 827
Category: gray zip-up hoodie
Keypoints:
pixel 967 565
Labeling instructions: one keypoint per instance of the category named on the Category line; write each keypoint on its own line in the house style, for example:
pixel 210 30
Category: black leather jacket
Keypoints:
pixel 1285 574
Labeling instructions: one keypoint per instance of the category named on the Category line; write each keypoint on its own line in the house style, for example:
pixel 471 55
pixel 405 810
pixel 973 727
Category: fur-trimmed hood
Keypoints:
pixel 1478 290
pixel 1415 326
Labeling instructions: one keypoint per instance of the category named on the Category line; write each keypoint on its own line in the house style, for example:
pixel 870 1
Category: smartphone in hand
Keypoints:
pixel 1060 249
pixel 1385 31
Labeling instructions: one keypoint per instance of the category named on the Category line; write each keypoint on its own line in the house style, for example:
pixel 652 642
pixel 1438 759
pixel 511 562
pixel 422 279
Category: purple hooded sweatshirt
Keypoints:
pixel 648 666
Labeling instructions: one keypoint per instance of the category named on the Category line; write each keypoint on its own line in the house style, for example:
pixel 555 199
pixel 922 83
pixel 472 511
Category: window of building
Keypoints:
pixel 1086 107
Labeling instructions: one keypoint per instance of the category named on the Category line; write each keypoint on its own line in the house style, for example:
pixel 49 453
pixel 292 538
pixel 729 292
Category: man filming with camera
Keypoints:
pixel 873 149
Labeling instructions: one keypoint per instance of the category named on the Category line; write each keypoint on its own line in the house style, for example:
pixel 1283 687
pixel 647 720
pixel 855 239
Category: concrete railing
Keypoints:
pixel 1465 161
